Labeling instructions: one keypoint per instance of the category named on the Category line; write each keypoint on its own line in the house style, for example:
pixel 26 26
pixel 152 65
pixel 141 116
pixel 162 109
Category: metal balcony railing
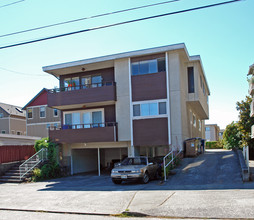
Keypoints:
pixel 79 87
pixel 82 126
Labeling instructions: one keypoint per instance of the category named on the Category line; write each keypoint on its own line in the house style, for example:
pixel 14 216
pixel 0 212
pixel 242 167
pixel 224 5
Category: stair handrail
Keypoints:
pixel 171 161
pixel 40 156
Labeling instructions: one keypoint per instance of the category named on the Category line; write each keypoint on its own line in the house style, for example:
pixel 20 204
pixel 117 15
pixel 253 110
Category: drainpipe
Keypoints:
pixel 99 162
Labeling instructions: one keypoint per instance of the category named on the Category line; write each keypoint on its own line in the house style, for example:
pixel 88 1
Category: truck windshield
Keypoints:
pixel 134 161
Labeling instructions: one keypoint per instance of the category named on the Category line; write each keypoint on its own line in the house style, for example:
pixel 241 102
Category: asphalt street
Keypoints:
pixel 208 186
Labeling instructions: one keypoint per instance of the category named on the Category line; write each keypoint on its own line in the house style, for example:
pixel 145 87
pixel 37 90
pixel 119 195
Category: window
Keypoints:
pixel 19 133
pixel 1 115
pixel 207 128
pixel 42 112
pixel 3 131
pixel 149 109
pixel 201 82
pixel 71 83
pixel 190 80
pixel 48 126
pixel 55 112
pixel 29 113
pixel 148 66
pixel 200 124
pixel 84 119
pixel 55 125
pixel 91 81
pixel 194 121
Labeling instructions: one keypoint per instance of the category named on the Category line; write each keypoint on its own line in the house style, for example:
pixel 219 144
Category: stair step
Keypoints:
pixel 10 180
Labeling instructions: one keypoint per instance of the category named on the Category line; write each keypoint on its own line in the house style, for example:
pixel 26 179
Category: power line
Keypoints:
pixel 13 3
pixel 117 24
pixel 86 18
pixel 20 73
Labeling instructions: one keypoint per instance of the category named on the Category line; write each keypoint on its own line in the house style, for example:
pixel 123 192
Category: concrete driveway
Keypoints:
pixel 207 186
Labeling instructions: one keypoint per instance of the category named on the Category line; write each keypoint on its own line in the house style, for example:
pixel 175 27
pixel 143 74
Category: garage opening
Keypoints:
pixel 97 160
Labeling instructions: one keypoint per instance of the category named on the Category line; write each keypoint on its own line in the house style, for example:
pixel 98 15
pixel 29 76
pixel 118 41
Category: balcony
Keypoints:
pixel 85 133
pixel 78 96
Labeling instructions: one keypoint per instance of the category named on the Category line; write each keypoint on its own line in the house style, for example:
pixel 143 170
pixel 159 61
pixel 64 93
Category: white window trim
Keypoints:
pixel 148 102
pixel 85 111
pixel 32 113
pixel 40 112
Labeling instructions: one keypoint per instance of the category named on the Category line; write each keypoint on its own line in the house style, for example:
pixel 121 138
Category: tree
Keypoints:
pixel 232 136
pixel 245 121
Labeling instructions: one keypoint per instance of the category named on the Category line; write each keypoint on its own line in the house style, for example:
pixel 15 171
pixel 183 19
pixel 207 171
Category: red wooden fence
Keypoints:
pixel 10 153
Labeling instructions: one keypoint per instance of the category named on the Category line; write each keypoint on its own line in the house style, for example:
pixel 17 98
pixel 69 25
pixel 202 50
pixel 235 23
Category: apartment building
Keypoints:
pixel 212 132
pixel 141 102
pixel 12 120
pixel 40 117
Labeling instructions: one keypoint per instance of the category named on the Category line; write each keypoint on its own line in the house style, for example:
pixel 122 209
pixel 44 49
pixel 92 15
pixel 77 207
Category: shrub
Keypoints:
pixel 36 174
pixel 214 145
pixel 51 169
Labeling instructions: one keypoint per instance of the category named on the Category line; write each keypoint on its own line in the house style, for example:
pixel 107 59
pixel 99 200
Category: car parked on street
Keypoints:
pixel 135 168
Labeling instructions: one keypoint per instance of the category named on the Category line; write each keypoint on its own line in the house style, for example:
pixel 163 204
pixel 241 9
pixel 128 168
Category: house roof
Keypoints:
pixel 62 68
pixel 13 110
pixel 36 97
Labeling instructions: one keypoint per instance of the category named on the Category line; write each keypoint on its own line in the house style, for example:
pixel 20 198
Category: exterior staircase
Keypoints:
pixel 19 172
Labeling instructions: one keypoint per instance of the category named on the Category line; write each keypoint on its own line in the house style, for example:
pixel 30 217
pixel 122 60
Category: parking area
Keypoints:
pixel 199 186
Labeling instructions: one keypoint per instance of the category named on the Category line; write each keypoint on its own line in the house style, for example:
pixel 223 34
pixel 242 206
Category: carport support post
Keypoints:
pixel 99 162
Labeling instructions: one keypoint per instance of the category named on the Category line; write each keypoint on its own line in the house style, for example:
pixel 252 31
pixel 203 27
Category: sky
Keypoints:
pixel 223 36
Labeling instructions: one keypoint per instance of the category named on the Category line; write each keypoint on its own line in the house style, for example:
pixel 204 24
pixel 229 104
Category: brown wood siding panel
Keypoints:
pixel 148 57
pixel 150 132
pixel 149 86
pixel 82 96
pixel 85 135
pixel 13 153
pixel 107 75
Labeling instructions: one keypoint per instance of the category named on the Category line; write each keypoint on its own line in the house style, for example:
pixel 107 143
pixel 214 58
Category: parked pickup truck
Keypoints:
pixel 135 168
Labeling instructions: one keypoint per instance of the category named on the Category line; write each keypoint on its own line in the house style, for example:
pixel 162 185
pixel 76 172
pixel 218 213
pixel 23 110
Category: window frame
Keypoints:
pixel 1 115
pixel 32 112
pixel 41 111
pixel 150 65
pixel 86 111
pixel 56 112
pixel 149 102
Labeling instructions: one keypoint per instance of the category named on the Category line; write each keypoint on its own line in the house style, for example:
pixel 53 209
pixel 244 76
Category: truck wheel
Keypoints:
pixel 116 181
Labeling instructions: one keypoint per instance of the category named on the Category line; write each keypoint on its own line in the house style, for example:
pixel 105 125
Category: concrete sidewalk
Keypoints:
pixel 225 196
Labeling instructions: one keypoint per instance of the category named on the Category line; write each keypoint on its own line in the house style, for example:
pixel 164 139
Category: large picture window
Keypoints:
pixel 149 109
pixel 84 119
pixel 148 66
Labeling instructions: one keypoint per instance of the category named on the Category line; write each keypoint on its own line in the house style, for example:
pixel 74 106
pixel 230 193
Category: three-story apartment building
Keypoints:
pixel 135 103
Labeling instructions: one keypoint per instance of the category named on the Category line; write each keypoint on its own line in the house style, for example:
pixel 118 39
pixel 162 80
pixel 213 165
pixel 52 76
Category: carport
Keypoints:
pixel 96 159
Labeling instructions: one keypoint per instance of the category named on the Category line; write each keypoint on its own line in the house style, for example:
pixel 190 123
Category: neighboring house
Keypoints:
pixel 40 117
pixel 12 120
pixel 135 103
pixel 212 132
pixel 221 134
